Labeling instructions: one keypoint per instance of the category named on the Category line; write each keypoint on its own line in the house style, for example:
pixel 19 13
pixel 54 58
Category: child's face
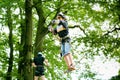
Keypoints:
pixel 59 17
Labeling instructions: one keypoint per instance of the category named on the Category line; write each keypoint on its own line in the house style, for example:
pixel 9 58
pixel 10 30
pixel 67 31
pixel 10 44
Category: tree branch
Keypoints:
pixel 78 27
pixel 115 29
pixel 57 9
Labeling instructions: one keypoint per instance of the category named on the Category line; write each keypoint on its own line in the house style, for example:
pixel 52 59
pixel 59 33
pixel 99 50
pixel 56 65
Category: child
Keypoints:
pixel 62 31
pixel 38 63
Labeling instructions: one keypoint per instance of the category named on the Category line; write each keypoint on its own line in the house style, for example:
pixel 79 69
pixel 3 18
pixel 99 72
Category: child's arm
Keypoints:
pixel 46 62
pixel 33 64
pixel 52 30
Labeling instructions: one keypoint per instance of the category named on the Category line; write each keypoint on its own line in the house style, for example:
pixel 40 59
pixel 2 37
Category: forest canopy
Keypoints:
pixel 94 27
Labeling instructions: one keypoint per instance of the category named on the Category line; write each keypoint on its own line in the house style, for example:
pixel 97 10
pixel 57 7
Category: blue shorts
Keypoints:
pixel 65 48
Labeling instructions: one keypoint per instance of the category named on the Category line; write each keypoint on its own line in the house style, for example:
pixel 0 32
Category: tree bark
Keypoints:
pixel 27 50
pixel 25 68
pixel 41 30
pixel 10 42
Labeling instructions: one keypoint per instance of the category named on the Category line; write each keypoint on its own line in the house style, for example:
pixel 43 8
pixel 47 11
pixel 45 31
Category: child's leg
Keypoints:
pixel 65 47
pixel 66 58
pixel 70 58
pixel 42 78
pixel 71 62
pixel 65 55
pixel 35 77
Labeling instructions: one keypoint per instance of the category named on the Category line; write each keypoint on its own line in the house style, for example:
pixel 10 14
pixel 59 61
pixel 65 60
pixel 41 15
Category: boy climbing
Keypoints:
pixel 63 34
pixel 38 63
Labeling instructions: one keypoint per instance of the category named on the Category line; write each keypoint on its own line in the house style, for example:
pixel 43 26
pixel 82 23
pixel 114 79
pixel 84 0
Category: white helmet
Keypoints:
pixel 62 15
pixel 39 53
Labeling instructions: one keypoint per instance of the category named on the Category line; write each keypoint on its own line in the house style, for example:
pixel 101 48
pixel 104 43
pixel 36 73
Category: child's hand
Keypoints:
pixel 50 28
pixel 46 63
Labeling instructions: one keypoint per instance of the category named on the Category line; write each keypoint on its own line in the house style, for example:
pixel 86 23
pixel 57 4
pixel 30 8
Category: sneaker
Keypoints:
pixel 71 68
pixel 67 71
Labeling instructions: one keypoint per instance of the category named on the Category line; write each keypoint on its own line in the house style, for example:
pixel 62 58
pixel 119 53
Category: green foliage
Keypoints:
pixel 80 11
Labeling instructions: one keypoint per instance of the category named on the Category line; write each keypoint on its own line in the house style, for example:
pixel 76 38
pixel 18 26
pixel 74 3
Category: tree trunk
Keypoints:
pixel 41 30
pixel 9 21
pixel 27 50
pixel 25 68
